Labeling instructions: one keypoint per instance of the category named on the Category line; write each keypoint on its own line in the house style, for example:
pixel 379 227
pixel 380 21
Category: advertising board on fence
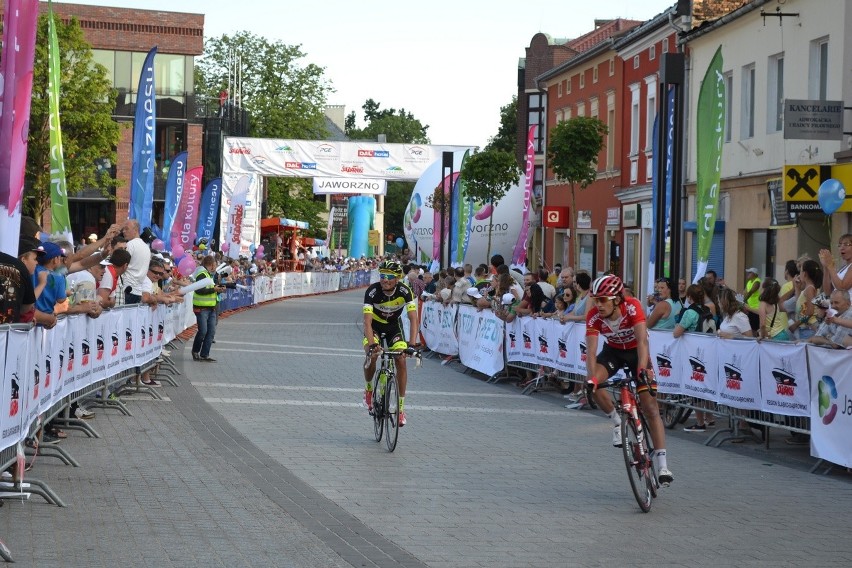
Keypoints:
pixel 480 336
pixel 831 411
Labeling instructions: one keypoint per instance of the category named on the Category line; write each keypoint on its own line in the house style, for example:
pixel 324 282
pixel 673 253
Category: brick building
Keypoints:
pixel 120 39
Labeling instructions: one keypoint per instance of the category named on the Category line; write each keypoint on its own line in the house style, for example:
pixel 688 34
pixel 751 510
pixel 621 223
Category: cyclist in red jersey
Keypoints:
pixel 622 323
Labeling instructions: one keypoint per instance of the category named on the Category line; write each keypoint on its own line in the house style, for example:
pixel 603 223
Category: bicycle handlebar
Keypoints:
pixel 409 351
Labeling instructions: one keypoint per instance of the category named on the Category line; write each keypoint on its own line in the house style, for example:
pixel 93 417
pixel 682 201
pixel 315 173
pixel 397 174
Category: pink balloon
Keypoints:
pixel 224 247
pixel 158 245
pixel 260 249
pixel 187 265
pixel 177 251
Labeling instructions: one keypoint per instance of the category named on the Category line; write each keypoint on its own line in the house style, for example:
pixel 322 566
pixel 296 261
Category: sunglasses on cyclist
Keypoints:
pixel 387 276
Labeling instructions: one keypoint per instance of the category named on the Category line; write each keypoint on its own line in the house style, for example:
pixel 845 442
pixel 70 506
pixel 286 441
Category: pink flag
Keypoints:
pixel 186 221
pixel 16 67
pixel 519 257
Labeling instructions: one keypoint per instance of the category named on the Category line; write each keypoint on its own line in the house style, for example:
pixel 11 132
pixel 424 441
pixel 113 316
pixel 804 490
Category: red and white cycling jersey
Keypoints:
pixel 619 334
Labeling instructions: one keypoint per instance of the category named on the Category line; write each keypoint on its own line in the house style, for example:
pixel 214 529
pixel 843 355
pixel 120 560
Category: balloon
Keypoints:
pixel 400 242
pixel 259 254
pixel 158 245
pixel 260 249
pixel 177 251
pixel 187 265
pixel 224 247
pixel 831 195
pixel 251 248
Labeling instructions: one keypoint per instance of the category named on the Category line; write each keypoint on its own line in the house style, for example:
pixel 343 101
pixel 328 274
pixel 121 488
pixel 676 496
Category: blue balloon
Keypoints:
pixel 831 195
pixel 251 248
pixel 400 242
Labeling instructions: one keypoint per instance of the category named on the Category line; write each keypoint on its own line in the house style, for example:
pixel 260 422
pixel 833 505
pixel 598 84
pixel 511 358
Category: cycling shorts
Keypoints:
pixel 394 336
pixel 614 360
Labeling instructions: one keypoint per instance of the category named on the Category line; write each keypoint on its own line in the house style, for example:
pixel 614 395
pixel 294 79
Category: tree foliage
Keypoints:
pixel 506 138
pixel 399 126
pixel 294 198
pixel 86 104
pixel 488 176
pixel 572 153
pixel 285 98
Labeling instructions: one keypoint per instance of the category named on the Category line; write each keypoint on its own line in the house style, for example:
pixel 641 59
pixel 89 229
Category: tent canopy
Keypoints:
pixel 273 223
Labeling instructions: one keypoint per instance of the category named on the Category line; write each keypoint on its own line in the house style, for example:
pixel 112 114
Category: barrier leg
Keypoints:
pixel 111 402
pixel 53 452
pixel 77 424
pixel 5 553
pixel 33 486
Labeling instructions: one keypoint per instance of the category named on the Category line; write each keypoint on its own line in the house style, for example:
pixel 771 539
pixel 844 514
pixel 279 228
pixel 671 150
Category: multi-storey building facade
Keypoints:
pixel 588 84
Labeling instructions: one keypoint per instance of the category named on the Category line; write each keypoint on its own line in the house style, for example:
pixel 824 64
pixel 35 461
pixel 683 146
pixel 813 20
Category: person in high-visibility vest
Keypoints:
pixel 204 303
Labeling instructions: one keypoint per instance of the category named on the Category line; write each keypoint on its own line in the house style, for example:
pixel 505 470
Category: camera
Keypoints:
pixel 148 236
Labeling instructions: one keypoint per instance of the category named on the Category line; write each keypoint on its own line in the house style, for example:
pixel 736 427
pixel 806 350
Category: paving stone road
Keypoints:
pixel 266 458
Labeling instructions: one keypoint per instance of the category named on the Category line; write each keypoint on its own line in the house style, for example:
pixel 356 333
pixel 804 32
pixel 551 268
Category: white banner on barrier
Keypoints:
pixel 127 347
pixel 528 343
pixel 739 374
pixel 666 353
pixel 114 343
pixel 784 379
pixel 12 343
pixel 430 324
pixel 99 335
pixel 84 355
pixel 52 364
pixel 545 342
pixel 73 342
pixel 700 367
pixel 42 344
pixel 25 371
pixel 448 341
pixel 480 340
pixel 513 340
pixel 831 408
pixel 567 350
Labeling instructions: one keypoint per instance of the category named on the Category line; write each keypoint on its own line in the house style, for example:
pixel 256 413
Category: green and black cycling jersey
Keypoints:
pixel 387 308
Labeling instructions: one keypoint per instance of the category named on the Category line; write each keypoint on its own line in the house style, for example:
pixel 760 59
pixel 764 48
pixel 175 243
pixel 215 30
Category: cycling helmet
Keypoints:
pixel 608 286
pixel 390 267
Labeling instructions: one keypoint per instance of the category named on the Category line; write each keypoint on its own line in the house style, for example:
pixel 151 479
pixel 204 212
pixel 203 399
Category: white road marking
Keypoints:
pixel 330 403
pixel 253 344
pixel 299 323
pixel 203 384
pixel 359 354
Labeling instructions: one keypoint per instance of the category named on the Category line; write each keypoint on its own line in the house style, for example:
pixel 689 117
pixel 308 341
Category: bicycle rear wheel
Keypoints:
pixel 638 463
pixel 378 412
pixel 391 412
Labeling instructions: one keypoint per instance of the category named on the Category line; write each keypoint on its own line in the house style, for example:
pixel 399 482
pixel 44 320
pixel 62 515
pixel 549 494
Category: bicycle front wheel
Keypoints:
pixel 671 414
pixel 391 413
pixel 637 461
pixel 378 413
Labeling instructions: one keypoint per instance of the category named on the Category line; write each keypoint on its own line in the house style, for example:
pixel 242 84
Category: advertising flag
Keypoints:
pixel 183 229
pixel 463 216
pixel 16 73
pixel 710 129
pixel 519 257
pixel 209 209
pixel 236 211
pixel 144 130
pixel 174 190
pixel 60 220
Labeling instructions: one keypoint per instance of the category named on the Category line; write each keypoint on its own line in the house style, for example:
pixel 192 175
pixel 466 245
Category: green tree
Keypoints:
pixel 506 139
pixel 487 176
pixel 86 104
pixel 284 98
pixel 398 126
pixel 572 153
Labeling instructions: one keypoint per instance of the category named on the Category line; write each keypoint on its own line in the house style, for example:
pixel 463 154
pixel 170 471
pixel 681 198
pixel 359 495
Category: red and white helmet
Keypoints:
pixel 608 286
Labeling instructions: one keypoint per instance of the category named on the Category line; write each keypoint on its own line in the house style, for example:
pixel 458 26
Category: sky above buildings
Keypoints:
pixel 451 63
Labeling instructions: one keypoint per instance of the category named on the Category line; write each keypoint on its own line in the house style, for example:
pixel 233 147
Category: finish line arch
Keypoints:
pixel 247 160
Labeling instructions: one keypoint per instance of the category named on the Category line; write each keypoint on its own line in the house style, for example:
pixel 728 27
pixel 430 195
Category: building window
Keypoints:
pixel 583 80
pixel 650 115
pixel 652 52
pixel 559 89
pixel 538 182
pixel 595 74
pixel 729 105
pixel 634 119
pixel 775 94
pixel 568 85
pixel 636 62
pixel 818 73
pixel 581 109
pixel 593 107
pixel 747 115
pixel 566 113
pixel 611 66
pixel 610 138
pixel 536 107
pixel 665 45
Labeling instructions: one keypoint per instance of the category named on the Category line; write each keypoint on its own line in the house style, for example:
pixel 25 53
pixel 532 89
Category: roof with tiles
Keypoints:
pixel 709 10
pixel 604 29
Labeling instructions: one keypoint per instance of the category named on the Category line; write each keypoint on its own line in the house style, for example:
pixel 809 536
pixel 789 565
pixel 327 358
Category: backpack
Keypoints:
pixel 706 321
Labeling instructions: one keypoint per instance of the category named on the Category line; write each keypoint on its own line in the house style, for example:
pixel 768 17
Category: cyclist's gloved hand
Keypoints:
pixel 649 373
pixel 592 385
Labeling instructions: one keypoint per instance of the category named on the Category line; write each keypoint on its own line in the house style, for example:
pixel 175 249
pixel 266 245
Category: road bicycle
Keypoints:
pixel 636 443
pixel 386 393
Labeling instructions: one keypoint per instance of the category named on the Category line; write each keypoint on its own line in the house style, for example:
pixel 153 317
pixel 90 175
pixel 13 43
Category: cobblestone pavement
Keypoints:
pixel 266 458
